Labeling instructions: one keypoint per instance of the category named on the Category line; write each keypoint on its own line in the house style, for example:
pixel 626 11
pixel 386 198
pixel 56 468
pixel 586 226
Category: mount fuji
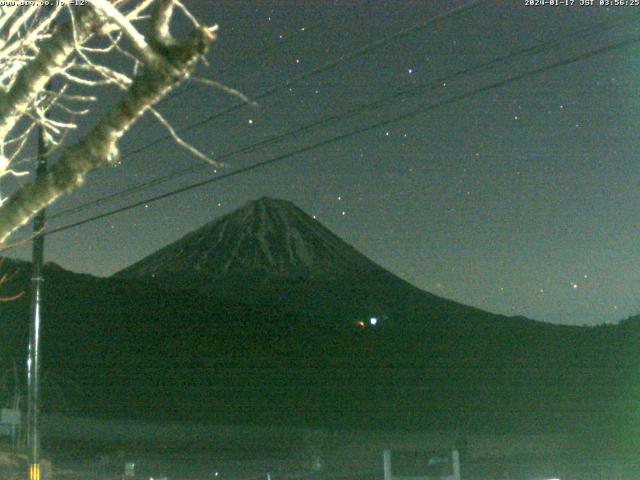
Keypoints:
pixel 265 316
pixel 264 237
pixel 269 251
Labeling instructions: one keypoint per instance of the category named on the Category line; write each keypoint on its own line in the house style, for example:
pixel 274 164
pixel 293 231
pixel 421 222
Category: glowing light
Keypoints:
pixel 361 324
pixel 373 321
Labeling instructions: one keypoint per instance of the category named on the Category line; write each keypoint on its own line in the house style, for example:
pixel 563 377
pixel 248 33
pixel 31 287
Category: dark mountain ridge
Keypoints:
pixel 272 250
pixel 281 337
pixel 265 237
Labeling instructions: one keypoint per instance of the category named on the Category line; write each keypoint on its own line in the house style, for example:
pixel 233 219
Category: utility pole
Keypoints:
pixel 33 361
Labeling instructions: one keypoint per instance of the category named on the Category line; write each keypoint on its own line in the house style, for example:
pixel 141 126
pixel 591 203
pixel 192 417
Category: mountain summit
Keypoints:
pixel 264 237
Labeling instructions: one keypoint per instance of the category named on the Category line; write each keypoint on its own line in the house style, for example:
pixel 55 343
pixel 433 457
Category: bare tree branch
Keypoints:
pixel 33 77
pixel 99 146
pixel 184 144
pixel 111 13
pixel 76 56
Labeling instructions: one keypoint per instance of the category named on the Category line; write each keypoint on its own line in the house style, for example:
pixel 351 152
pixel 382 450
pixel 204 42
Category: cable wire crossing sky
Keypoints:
pixel 483 151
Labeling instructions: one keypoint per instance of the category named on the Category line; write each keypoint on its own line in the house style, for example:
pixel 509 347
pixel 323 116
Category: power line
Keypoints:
pixel 278 44
pixel 260 52
pixel 321 69
pixel 354 111
pixel 338 138
pixel 347 57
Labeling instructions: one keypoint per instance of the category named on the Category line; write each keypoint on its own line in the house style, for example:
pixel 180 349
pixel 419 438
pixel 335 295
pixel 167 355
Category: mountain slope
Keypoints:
pixel 264 237
pixel 270 252
pixel 136 349
pixel 270 322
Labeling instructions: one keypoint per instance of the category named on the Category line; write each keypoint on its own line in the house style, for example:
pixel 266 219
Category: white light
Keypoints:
pixel 373 320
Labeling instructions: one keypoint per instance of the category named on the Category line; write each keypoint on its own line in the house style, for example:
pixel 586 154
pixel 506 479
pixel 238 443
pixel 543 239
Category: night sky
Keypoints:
pixel 521 199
